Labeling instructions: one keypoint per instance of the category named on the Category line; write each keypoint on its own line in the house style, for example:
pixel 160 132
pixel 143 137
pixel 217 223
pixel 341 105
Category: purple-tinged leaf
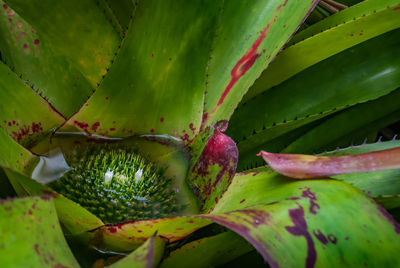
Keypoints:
pixel 309 166
pixel 215 168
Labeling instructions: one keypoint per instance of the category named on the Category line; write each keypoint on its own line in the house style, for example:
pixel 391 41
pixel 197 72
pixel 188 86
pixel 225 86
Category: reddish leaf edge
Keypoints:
pixel 302 166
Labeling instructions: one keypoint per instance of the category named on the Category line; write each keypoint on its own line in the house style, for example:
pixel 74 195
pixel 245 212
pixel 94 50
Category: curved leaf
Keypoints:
pixel 208 252
pixel 361 73
pixel 348 29
pixel 44 69
pixel 304 223
pixel 74 218
pixel 24 115
pixel 31 235
pixel 303 166
pixel 130 235
pixel 156 84
pixel 62 23
pixel 257 39
pixel 147 255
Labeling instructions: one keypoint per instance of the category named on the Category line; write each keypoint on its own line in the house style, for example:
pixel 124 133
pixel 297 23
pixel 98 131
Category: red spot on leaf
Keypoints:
pixel 320 236
pixel 310 195
pixel 84 126
pixel 112 129
pixel 152 130
pixel 242 201
pixel 95 126
pixel 5 6
pixel 112 229
pixel 36 42
pixel 192 128
pixel 396 8
pixel 106 98
pixel 162 119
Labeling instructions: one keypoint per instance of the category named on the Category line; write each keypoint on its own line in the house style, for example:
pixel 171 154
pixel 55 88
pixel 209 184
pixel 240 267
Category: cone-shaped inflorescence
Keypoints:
pixel 117 185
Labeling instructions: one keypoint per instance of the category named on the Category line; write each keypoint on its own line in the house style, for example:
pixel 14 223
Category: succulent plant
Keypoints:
pixel 129 133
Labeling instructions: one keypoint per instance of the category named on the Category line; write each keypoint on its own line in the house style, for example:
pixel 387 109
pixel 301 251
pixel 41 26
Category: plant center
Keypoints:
pixel 117 185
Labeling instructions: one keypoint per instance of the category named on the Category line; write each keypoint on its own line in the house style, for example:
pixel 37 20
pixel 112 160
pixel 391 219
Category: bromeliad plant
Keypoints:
pixel 114 132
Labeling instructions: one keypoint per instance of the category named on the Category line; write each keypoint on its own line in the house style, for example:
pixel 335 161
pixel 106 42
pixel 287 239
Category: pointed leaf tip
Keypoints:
pixel 309 166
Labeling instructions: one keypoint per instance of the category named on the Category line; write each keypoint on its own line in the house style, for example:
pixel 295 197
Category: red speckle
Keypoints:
pixel 36 127
pixel 179 228
pixel 169 59
pixel 152 130
pixel 242 201
pixel 190 221
pixel 162 119
pixel 192 128
pixel 396 8
pixel 216 200
pixel 84 126
pixel 5 6
pixel 9 124
pixel 139 231
pixel 320 236
pixel 95 126
pixel 36 41
pixel 13 122
pixel 25 46
pixel 36 247
pixel 112 129
pixel 112 229
pixel 106 98
pixel 152 55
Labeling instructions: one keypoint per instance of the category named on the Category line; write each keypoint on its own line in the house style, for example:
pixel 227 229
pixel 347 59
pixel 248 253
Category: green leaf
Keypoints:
pixel 39 65
pixel 208 252
pixel 130 235
pixel 74 218
pixel 388 201
pixel 243 46
pixel 347 28
pixel 147 255
pixel 24 115
pixel 31 235
pixel 302 223
pixel 14 156
pixel 366 117
pixel 6 189
pixel 78 30
pixel 364 72
pixel 156 83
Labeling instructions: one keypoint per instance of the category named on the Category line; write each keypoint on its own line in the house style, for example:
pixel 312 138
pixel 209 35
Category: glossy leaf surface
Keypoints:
pixel 303 221
pixel 31 234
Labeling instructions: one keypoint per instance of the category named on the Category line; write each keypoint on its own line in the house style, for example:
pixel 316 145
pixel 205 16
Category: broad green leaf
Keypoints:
pixel 147 255
pixel 208 252
pixel 130 235
pixel 39 65
pixel 78 30
pixel 243 46
pixel 349 30
pixel 14 156
pixel 24 115
pixel 300 223
pixel 361 73
pixel 31 235
pixel 74 218
pixel 368 116
pixel 156 83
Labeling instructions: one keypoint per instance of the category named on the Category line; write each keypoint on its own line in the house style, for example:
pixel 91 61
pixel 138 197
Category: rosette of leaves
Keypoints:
pixel 162 78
